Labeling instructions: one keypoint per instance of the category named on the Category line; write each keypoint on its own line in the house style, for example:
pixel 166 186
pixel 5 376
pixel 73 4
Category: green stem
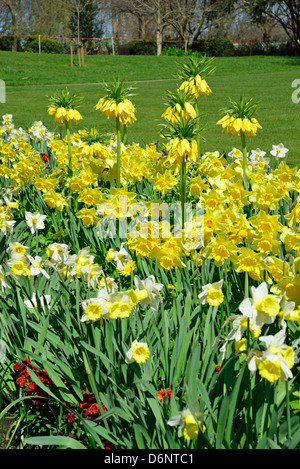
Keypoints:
pixel 125 134
pixel 37 242
pixel 288 410
pixel 198 135
pixel 69 147
pixel 245 160
pixel 119 139
pixel 183 189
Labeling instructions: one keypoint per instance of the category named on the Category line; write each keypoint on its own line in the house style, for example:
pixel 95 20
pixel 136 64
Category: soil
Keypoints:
pixel 5 425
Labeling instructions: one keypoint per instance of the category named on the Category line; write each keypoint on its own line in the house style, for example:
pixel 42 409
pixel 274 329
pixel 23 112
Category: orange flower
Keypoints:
pixel 164 393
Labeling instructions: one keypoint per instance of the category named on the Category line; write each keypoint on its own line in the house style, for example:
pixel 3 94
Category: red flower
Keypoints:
pixel 45 157
pixel 217 369
pixel 30 387
pixel 90 406
pixel 22 381
pixel 107 444
pixel 71 417
pixel 93 410
pixel 164 393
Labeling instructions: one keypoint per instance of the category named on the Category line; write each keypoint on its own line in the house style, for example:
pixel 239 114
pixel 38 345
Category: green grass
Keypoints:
pixel 30 78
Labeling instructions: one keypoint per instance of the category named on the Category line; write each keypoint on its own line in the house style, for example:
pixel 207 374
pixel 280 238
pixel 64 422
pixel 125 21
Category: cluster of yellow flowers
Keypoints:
pixel 252 229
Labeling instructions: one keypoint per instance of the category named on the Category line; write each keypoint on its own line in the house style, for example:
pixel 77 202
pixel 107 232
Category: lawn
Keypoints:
pixel 30 78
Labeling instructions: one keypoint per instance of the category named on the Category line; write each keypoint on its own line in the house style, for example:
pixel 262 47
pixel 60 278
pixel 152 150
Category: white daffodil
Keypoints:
pixel 121 256
pixel 236 154
pixel 7 226
pixel 2 279
pixel 262 308
pixel 58 253
pixel 16 248
pixel 95 309
pixel 146 292
pixel 35 221
pixel 257 155
pixel 139 352
pixel 79 261
pixel 109 284
pixel 277 359
pixel 287 308
pixel 279 151
pixel 36 266
pixel 212 294
pixel 33 303
pixel 90 274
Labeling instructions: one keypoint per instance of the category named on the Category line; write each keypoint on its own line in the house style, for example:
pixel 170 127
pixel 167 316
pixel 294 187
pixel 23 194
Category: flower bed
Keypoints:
pixel 150 297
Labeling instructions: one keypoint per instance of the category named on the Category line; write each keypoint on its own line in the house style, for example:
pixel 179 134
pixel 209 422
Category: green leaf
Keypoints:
pixel 62 441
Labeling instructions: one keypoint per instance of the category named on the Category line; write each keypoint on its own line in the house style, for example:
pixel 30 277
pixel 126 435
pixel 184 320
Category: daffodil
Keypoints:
pixel 17 248
pixel 19 265
pixel 251 262
pixel 3 282
pixel 35 221
pixel 188 424
pixel 262 308
pixel 276 361
pixel 88 216
pixel 146 292
pixel 37 301
pixel 220 249
pixel 58 253
pixel 36 266
pixel 290 287
pixel 139 352
pixel 212 294
pixel 95 309
pixel 279 151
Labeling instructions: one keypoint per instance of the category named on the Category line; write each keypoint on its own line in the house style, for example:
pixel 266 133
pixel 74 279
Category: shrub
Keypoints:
pixel 142 47
pixel 48 46
pixel 6 43
pixel 214 47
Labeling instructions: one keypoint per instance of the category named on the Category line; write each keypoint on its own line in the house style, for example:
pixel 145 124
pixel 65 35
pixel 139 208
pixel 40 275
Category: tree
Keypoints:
pixel 14 7
pixel 286 13
pixel 49 17
pixel 158 11
pixel 77 7
pixel 89 26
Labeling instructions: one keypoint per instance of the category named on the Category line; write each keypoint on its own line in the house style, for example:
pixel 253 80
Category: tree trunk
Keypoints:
pixel 158 41
pixel 15 45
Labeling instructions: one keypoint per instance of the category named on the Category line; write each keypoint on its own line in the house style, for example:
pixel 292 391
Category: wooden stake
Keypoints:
pixel 71 51
pixel 79 57
pixel 82 56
